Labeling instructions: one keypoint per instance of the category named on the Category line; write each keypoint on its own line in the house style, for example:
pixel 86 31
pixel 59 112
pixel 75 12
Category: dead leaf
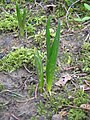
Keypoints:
pixel 85 107
pixel 63 113
pixel 85 87
pixel 63 80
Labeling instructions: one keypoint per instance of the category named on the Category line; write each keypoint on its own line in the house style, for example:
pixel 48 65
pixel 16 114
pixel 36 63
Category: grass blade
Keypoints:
pixel 51 62
pixel 39 67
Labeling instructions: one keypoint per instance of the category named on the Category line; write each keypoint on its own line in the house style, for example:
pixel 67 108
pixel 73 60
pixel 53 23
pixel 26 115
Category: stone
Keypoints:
pixel 56 117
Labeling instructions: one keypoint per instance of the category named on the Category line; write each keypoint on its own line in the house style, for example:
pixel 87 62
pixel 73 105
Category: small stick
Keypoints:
pixel 26 68
pixel 16 118
pixel 36 90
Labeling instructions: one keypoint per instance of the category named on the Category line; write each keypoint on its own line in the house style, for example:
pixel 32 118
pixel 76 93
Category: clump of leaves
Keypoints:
pixel 52 51
pixel 76 114
pixel 86 17
pixel 16 59
pixel 85 57
pixel 51 105
pixel 8 22
pixel 80 98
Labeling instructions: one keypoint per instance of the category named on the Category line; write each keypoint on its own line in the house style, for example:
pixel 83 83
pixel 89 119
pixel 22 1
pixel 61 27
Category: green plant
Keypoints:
pixel 21 20
pixel 39 70
pixel 52 51
pixel 70 2
pixel 80 98
pixel 16 59
pixel 76 114
pixel 84 18
pixel 51 105
pixel 84 58
pixel 8 22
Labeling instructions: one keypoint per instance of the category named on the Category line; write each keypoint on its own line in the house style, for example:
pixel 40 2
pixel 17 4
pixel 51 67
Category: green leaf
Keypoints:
pixel 48 38
pixel 18 14
pixel 51 62
pixel 78 19
pixel 85 18
pixel 82 20
pixel 21 20
pixel 24 17
pixel 87 6
pixel 39 67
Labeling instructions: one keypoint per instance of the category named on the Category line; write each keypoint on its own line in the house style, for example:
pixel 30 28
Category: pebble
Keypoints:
pixel 56 117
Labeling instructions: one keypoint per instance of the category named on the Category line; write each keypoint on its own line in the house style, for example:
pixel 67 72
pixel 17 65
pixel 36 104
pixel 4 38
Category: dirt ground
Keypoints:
pixel 16 103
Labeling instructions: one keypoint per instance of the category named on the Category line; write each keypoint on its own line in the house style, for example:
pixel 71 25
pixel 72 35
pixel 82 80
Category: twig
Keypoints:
pixel 70 68
pixel 25 100
pixel 36 90
pixel 7 103
pixel 36 3
pixel 71 106
pixel 3 91
pixel 16 118
pixel 87 83
pixel 26 68
pixel 86 38
pixel 6 73
pixel 73 83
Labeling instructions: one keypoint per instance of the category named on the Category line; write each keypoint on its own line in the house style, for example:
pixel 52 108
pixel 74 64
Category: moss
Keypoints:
pixel 1 86
pixel 84 59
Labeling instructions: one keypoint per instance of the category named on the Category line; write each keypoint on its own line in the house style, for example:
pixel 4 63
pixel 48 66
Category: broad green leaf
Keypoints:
pixel 85 18
pixel 87 6
pixel 39 67
pixel 51 62
pixel 78 19
pixel 48 38
pixel 82 20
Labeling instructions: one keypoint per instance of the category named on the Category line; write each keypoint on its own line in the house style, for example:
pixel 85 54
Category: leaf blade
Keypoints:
pixel 87 6
pixel 48 38
pixel 39 67
pixel 51 62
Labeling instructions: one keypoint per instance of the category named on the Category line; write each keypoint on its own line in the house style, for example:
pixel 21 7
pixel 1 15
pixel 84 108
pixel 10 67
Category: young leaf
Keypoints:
pixel 87 6
pixel 51 62
pixel 18 14
pixel 48 38
pixel 39 67
pixel 21 20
